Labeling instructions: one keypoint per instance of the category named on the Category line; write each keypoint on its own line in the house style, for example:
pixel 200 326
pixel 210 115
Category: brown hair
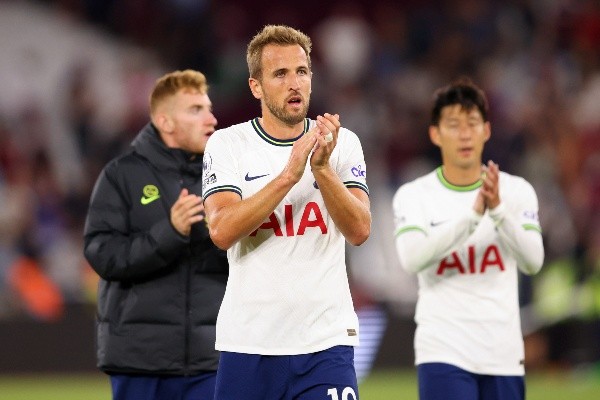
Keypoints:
pixel 169 84
pixel 281 35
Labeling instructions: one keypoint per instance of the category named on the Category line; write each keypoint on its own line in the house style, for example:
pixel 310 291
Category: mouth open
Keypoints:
pixel 295 100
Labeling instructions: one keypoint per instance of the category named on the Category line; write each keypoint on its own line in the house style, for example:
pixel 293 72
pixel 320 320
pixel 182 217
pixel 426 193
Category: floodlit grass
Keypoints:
pixel 55 387
pixel 563 385
pixel 380 385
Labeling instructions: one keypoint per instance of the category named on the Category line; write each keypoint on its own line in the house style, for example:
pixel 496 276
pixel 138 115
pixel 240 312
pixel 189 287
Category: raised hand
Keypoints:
pixel 296 164
pixel 490 187
pixel 328 126
pixel 187 210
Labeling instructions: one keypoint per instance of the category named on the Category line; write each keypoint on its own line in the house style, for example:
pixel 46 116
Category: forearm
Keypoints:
pixel 348 208
pixel 524 241
pixel 116 256
pixel 419 246
pixel 229 221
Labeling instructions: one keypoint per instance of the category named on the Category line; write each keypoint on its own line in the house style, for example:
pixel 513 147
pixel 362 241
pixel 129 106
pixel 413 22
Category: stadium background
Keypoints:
pixel 75 76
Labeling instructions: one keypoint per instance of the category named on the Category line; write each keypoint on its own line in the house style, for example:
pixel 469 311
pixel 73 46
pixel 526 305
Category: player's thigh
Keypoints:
pixel 251 377
pixel 151 387
pixel 126 387
pixel 200 387
pixel 325 375
pixel 439 381
pixel 502 387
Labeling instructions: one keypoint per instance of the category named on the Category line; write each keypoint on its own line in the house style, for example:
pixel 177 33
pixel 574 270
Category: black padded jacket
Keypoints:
pixel 159 292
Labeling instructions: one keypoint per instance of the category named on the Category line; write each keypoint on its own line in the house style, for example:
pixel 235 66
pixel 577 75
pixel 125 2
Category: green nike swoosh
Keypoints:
pixel 148 200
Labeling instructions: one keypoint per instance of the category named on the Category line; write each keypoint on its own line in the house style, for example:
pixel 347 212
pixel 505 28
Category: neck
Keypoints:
pixel 462 176
pixel 279 129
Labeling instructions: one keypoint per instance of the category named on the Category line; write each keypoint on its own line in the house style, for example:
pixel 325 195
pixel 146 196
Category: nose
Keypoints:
pixel 212 119
pixel 465 131
pixel 294 82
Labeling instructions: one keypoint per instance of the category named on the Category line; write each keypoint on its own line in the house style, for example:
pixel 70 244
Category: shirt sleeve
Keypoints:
pixel 418 244
pixel 219 171
pixel 352 168
pixel 519 229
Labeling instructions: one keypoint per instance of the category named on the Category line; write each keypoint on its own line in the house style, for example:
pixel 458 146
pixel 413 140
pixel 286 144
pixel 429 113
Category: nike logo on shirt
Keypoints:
pixel 436 223
pixel 251 178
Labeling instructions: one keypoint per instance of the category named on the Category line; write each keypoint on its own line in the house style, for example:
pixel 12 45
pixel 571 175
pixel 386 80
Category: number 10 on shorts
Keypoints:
pixel 347 394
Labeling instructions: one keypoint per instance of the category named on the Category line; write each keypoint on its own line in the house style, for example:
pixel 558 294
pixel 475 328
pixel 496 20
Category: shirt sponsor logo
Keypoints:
pixel 358 171
pixel 531 215
pixel 351 332
pixel 286 225
pixel 150 193
pixel 490 259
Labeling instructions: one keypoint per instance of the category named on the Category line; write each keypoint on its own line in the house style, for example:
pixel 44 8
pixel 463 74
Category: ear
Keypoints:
pixel 163 122
pixel 434 135
pixel 255 88
pixel 488 131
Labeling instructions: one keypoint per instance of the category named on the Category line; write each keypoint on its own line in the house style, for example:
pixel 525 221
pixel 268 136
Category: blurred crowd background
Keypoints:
pixel 75 77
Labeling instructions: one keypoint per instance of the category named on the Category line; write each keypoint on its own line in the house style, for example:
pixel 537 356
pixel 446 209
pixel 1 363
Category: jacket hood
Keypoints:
pixel 149 145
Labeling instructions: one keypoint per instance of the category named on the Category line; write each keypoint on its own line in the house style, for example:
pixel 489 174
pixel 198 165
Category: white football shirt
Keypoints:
pixel 288 290
pixel 468 308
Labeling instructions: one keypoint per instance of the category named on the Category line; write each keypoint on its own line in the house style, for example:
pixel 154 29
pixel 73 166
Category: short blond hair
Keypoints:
pixel 171 83
pixel 281 35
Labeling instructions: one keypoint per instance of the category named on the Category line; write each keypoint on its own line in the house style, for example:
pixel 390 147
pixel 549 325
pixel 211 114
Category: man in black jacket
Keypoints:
pixel 162 278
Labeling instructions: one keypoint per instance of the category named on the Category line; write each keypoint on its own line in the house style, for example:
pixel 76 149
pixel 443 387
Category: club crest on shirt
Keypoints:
pixel 206 163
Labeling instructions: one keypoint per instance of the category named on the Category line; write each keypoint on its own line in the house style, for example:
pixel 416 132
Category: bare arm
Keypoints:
pixel 231 218
pixel 349 208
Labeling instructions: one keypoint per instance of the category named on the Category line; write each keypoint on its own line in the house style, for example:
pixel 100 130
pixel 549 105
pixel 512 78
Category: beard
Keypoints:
pixel 288 118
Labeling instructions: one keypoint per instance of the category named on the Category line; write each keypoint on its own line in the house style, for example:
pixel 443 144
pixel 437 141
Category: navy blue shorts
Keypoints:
pixel 152 387
pixel 325 375
pixel 439 381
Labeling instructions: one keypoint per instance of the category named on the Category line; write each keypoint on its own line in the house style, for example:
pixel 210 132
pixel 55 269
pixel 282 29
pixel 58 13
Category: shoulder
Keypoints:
pixel 348 136
pixel 514 182
pixel 416 187
pixel 123 162
pixel 231 134
pixel 516 189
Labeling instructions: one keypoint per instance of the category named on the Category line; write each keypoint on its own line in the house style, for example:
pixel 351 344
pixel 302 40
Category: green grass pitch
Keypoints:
pixel 380 385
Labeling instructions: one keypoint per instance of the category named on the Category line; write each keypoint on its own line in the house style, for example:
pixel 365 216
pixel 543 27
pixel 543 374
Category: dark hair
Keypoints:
pixel 462 91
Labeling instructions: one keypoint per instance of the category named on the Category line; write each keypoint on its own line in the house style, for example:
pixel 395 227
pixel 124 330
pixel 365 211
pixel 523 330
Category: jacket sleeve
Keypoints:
pixel 112 249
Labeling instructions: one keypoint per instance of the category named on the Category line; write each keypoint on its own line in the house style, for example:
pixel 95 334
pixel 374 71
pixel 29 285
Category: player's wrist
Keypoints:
pixel 497 213
pixel 321 169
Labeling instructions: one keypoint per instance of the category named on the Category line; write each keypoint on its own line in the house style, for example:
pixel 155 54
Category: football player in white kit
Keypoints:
pixel 466 229
pixel 283 194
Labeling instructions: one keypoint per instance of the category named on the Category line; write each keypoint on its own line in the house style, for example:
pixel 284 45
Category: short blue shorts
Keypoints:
pixel 325 375
pixel 163 387
pixel 439 381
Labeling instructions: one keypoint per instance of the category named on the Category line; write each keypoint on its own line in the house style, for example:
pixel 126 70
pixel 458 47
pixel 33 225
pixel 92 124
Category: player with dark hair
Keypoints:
pixel 466 229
